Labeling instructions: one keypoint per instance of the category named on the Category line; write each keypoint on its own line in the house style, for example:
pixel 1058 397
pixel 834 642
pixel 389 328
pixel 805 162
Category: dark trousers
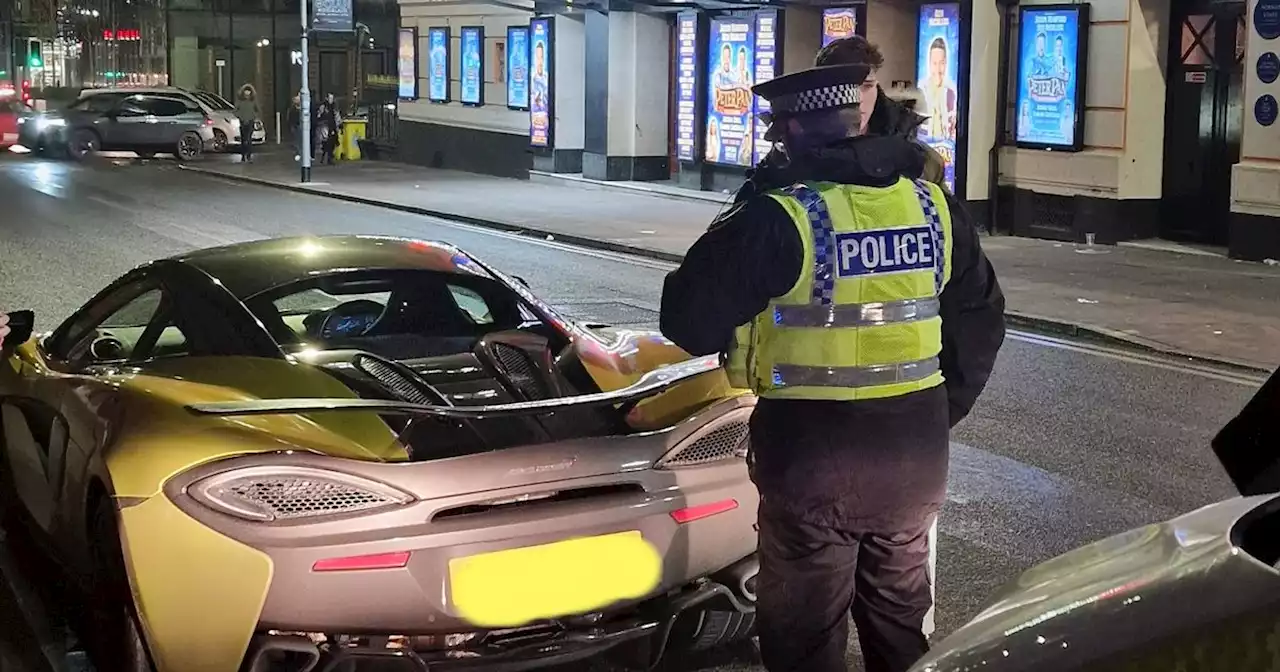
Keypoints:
pixel 813 577
pixel 246 140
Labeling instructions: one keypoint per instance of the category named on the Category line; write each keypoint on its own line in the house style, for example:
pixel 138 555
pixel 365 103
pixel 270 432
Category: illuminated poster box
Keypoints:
pixel 1053 53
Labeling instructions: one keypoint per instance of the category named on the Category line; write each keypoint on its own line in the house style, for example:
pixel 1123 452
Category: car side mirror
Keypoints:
pixel 21 324
pixel 521 280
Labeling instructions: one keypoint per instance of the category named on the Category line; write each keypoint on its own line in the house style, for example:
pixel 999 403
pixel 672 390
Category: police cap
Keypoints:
pixel 818 88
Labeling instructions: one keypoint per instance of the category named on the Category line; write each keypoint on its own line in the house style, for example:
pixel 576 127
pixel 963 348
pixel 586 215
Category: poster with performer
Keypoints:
pixel 471 88
pixel 518 67
pixel 1051 61
pixel 438 65
pixel 841 22
pixel 540 83
pixel 407 63
pixel 731 73
pixel 938 76
pixel 766 67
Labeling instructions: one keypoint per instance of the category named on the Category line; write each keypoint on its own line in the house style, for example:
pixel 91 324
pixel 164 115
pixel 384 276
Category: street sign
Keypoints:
pixel 220 62
pixel 332 16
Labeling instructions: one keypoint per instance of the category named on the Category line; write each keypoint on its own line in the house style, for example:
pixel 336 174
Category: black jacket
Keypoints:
pixel 889 118
pixel 877 463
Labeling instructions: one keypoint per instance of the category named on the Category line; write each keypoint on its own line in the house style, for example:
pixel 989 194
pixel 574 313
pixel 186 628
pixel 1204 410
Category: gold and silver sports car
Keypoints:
pixel 288 453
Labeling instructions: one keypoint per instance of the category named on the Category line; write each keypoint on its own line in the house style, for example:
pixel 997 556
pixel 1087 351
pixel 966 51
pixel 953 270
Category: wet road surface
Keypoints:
pixel 1069 444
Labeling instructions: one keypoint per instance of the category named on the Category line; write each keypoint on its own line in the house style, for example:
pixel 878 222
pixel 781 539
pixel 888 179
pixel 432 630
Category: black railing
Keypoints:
pixel 383 128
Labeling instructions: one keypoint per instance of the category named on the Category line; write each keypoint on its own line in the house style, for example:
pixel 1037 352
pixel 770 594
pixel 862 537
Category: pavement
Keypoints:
pixel 1198 305
pixel 1070 442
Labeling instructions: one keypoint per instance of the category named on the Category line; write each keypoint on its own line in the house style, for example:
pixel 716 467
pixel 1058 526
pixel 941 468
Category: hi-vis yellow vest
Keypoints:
pixel 862 321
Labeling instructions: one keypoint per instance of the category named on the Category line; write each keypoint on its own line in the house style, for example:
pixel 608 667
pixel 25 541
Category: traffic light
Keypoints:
pixel 34 59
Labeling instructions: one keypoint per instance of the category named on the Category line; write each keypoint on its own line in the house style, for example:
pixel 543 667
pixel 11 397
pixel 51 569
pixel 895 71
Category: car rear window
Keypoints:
pixel 213 101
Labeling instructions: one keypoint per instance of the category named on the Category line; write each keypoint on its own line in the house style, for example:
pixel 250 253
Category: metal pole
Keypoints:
pixel 304 122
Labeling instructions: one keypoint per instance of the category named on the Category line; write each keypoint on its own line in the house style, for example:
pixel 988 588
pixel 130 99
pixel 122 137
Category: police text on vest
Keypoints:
pixel 884 251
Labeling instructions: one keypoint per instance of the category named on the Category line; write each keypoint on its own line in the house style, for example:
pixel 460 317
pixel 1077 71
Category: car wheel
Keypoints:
pixel 189 146
pixel 82 143
pixel 219 141
pixel 114 636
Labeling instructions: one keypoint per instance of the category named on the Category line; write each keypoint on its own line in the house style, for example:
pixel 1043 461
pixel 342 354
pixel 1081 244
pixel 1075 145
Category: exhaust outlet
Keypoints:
pixel 741 577
pixel 288 653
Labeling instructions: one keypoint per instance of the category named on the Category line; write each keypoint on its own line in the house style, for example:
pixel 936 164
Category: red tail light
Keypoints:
pixel 208 121
pixel 357 563
pixel 692 513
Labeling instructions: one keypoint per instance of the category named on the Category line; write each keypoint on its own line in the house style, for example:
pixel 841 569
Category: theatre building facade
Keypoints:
pixel 1116 120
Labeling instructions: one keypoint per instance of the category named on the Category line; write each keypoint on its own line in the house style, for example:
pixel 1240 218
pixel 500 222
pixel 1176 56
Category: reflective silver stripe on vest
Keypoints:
pixel 786 375
pixel 856 314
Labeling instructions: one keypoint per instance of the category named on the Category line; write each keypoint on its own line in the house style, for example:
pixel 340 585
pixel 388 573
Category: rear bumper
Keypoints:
pixel 560 643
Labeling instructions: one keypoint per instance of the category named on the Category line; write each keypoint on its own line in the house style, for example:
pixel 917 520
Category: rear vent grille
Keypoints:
pixel 519 367
pixel 288 497
pixel 398 383
pixel 540 499
pixel 721 443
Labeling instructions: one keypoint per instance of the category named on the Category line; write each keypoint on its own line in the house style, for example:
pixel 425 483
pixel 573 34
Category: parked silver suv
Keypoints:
pixel 146 123
pixel 226 127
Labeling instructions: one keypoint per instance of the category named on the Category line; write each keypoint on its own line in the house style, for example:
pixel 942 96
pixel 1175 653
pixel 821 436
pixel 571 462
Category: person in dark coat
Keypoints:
pixel 850 481
pixel 294 121
pixel 326 124
pixel 882 115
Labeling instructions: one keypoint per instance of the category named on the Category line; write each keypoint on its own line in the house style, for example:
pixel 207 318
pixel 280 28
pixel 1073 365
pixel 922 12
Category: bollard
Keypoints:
pixel 277 128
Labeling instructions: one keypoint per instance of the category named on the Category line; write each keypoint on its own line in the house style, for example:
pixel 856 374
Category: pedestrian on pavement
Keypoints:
pixel 294 119
pixel 911 99
pixel 881 114
pixel 327 122
pixel 849 438
pixel 4 327
pixel 248 113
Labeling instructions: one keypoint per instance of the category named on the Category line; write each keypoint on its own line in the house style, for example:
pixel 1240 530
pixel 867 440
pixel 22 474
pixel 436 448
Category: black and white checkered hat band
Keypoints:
pixel 822 98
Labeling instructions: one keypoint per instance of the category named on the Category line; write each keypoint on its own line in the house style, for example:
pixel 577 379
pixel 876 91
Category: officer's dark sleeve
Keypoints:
pixel 972 316
pixel 749 256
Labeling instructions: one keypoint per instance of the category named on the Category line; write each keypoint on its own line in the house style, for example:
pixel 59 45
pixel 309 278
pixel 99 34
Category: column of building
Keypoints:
pixel 627 66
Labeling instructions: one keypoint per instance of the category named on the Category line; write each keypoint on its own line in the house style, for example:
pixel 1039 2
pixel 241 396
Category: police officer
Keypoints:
pixel 858 305
pixel 882 114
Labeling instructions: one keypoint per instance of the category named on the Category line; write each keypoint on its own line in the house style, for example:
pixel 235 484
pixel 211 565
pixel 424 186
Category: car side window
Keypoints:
pixel 131 324
pixel 167 107
pixel 98 102
pixel 472 304
pixel 133 107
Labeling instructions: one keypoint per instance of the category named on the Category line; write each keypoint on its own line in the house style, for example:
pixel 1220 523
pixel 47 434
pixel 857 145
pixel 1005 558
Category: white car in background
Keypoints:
pixel 226 127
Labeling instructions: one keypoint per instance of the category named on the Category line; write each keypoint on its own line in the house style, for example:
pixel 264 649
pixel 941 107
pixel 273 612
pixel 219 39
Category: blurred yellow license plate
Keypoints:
pixel 513 587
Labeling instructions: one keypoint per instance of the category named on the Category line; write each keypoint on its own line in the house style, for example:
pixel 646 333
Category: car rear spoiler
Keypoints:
pixel 650 384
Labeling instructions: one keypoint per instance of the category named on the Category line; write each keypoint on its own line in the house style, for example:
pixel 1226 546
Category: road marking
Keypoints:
pixel 1156 361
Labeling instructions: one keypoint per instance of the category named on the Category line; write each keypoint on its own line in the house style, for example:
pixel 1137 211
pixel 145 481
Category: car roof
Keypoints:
pixel 249 269
pixel 134 90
